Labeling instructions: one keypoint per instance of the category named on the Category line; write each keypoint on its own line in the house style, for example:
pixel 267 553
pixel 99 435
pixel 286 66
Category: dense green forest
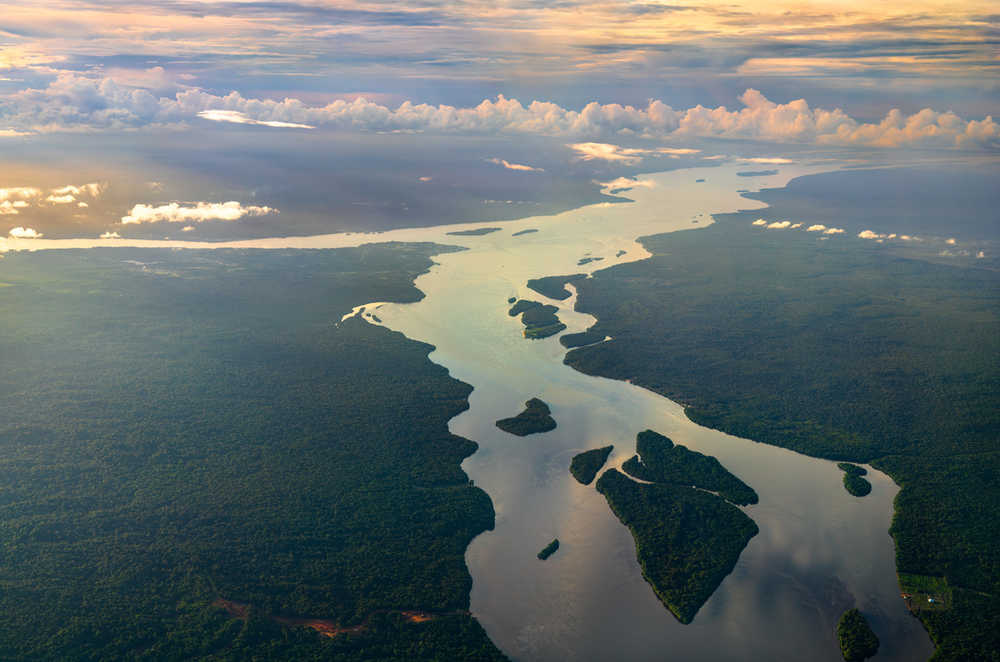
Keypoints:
pixel 584 466
pixel 686 540
pixel 857 641
pixel 554 287
pixel 536 417
pixel 185 428
pixel 571 340
pixel 549 549
pixel 540 320
pixel 660 461
pixel 839 349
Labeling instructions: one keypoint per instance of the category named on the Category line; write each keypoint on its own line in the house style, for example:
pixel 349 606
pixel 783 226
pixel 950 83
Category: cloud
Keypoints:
pixel 833 231
pixel 60 199
pixel 779 225
pixel 767 160
pixel 237 117
pixel 8 208
pixel 187 228
pixel 73 101
pixel 110 235
pixel 950 241
pixel 425 178
pixel 82 205
pixel 759 221
pixel 24 233
pixel 514 166
pixel 19 193
pixel 868 234
pixel 201 211
pixel 622 183
pixel 627 155
pixel 796 226
pixel 13 133
pixel 819 227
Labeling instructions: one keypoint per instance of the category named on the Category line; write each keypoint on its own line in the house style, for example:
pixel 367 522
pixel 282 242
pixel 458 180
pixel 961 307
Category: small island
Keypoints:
pixel 478 232
pixel 587 260
pixel 853 481
pixel 584 466
pixel 554 287
pixel 540 320
pixel 663 462
pixel 528 231
pixel 620 253
pixel 571 340
pixel 857 641
pixel 549 549
pixel 536 417
pixel 756 173
pixel 686 540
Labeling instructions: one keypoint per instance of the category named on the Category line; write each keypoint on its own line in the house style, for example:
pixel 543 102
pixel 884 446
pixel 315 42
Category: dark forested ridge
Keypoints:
pixel 841 350
pixel 185 428
pixel 686 540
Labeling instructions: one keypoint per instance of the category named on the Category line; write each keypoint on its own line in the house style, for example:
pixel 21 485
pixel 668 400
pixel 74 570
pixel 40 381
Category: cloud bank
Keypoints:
pixel 515 166
pixel 200 212
pixel 24 233
pixel 74 102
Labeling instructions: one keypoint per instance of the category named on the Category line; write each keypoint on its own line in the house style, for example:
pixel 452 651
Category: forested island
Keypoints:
pixel 663 462
pixel 584 466
pixel 478 232
pixel 554 287
pixel 523 232
pixel 854 482
pixel 913 392
pixel 686 540
pixel 587 260
pixel 201 433
pixel 549 550
pixel 857 641
pixel 571 340
pixel 539 320
pixel 536 417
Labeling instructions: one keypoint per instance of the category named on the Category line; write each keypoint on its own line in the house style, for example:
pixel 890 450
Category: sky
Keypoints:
pixel 163 104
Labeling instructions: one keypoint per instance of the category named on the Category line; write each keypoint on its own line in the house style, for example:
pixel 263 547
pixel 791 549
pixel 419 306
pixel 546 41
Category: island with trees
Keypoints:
pixel 687 540
pixel 584 466
pixel 549 549
pixel 854 482
pixel 536 418
pixel 857 641
pixel 524 232
pixel 539 320
pixel 554 287
pixel 477 232
pixel 660 461
pixel 580 339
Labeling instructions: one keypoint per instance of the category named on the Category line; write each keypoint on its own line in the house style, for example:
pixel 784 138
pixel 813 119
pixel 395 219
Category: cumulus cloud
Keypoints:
pixel 238 117
pixel 795 226
pixel 201 211
pixel 7 208
pixel 61 199
pixel 93 189
pixel 950 241
pixel 24 233
pixel 19 193
pixel 74 101
pixel 868 234
pixel 759 221
pixel 110 235
pixel 187 228
pixel 424 179
pixel 515 166
pixel 779 225
pixel 833 231
pixel 819 227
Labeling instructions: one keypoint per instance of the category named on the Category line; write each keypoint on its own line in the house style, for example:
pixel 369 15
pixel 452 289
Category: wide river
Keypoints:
pixel 819 550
